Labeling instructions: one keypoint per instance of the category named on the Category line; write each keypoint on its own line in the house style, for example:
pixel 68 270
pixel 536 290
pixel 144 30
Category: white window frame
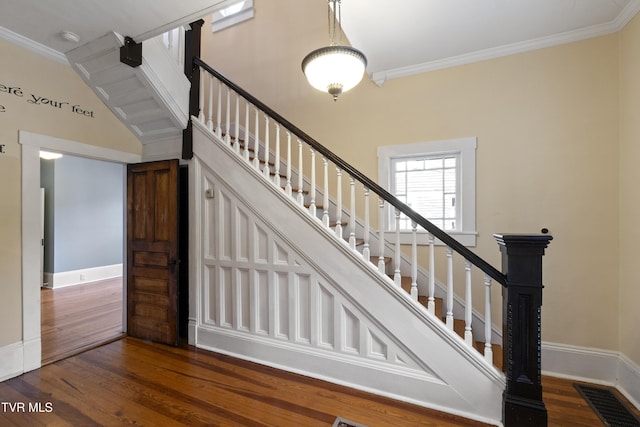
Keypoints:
pixel 222 18
pixel 465 150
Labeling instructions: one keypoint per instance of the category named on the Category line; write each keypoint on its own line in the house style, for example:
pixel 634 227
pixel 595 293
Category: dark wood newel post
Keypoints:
pixel 522 403
pixel 192 71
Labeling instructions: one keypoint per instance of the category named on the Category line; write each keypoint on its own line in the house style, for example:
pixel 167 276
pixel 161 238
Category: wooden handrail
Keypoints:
pixel 365 180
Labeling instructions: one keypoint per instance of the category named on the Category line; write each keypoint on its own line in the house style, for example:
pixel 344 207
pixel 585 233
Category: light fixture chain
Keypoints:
pixel 333 22
pixel 339 21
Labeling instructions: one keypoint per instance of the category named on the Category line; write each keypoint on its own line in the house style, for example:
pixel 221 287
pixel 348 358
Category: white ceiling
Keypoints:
pixel 42 21
pixel 404 37
pixel 399 37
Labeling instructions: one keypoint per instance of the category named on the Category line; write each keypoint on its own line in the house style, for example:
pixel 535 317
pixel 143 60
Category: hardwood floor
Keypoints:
pixel 135 382
pixel 76 318
pixel 132 382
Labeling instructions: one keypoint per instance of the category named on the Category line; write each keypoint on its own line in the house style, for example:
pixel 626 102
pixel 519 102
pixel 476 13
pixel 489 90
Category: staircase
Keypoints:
pixel 289 277
pixel 256 158
pixel 285 274
pixel 279 287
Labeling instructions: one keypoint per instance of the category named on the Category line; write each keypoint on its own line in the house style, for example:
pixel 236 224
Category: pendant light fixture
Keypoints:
pixel 335 68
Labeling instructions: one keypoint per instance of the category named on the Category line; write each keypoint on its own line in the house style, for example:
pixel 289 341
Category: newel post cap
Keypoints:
pixel 535 242
pixel 523 239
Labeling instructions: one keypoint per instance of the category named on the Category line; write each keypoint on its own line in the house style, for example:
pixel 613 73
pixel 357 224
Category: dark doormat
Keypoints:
pixel 341 422
pixel 611 411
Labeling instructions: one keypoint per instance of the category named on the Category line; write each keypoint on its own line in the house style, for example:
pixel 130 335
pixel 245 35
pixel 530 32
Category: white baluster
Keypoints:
pixel 414 260
pixel 247 133
pixel 227 126
pixel 381 226
pixel 339 205
pixel 468 334
pixel 352 214
pixel 449 317
pixel 219 113
pixel 201 95
pixel 300 175
pixel 488 350
pixel 170 41
pixel 312 190
pixel 366 251
pixel 181 46
pixel 397 278
pixel 276 162
pixel 210 111
pixel 287 187
pixel 237 122
pixel 325 201
pixel 266 169
pixel 431 304
pixel 256 142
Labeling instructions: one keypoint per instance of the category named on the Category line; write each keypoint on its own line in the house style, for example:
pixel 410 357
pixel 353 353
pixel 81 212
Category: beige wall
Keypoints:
pixel 629 332
pixel 41 77
pixel 547 123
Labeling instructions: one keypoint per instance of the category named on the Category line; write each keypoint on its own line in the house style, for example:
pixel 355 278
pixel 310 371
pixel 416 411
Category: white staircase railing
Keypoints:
pixel 261 142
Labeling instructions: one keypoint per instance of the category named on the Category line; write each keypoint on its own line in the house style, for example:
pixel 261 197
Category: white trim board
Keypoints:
pixel 30 181
pixel 12 360
pixel 593 365
pixel 83 276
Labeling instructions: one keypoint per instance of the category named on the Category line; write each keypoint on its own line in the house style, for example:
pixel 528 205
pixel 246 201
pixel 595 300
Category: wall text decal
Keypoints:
pixel 41 100
pixel 2 148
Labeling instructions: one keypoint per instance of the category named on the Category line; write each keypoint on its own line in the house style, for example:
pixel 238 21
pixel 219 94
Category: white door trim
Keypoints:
pixel 31 145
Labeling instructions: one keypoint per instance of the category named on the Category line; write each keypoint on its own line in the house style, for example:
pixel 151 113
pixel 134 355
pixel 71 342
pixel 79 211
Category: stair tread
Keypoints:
pixel 296 191
pixel 318 207
pixel 375 259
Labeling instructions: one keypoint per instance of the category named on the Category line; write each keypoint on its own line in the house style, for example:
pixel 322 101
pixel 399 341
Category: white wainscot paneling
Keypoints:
pixel 327 319
pixel 281 304
pixel 303 312
pixel 243 298
pixel 278 289
pixel 226 285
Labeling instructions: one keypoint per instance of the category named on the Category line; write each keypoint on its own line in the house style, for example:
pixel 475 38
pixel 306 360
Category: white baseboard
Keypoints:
pixel 629 380
pixel 32 354
pixel 593 365
pixel 192 332
pixel 11 360
pixel 82 276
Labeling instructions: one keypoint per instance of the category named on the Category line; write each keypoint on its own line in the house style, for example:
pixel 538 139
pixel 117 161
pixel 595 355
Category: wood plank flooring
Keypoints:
pixel 132 382
pixel 76 318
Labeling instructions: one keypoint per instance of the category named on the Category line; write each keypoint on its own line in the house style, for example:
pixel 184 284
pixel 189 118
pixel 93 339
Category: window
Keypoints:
pixel 437 180
pixel 232 13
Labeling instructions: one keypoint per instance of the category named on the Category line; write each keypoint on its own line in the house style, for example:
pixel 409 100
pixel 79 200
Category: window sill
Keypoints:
pixel 467 238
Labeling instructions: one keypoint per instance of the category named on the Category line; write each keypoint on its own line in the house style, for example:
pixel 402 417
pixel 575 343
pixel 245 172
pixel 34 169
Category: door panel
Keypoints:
pixel 152 251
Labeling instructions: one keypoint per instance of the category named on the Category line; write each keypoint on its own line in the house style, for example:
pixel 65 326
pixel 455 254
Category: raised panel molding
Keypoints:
pixel 315 307
pixel 283 285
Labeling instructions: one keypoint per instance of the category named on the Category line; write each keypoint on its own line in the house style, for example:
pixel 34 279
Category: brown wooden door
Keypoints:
pixel 152 251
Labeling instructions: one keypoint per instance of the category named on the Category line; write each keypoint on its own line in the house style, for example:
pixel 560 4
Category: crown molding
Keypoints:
pixel 379 77
pixel 35 47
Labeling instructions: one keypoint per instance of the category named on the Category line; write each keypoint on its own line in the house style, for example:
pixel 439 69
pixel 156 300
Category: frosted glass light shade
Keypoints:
pixel 334 69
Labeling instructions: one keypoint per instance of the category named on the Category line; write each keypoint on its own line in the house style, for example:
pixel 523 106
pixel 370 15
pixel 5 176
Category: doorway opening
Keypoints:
pixel 82 292
pixel 32 143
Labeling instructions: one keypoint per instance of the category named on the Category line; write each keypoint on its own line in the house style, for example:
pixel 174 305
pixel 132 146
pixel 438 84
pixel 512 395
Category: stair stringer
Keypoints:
pixel 152 100
pixel 274 286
